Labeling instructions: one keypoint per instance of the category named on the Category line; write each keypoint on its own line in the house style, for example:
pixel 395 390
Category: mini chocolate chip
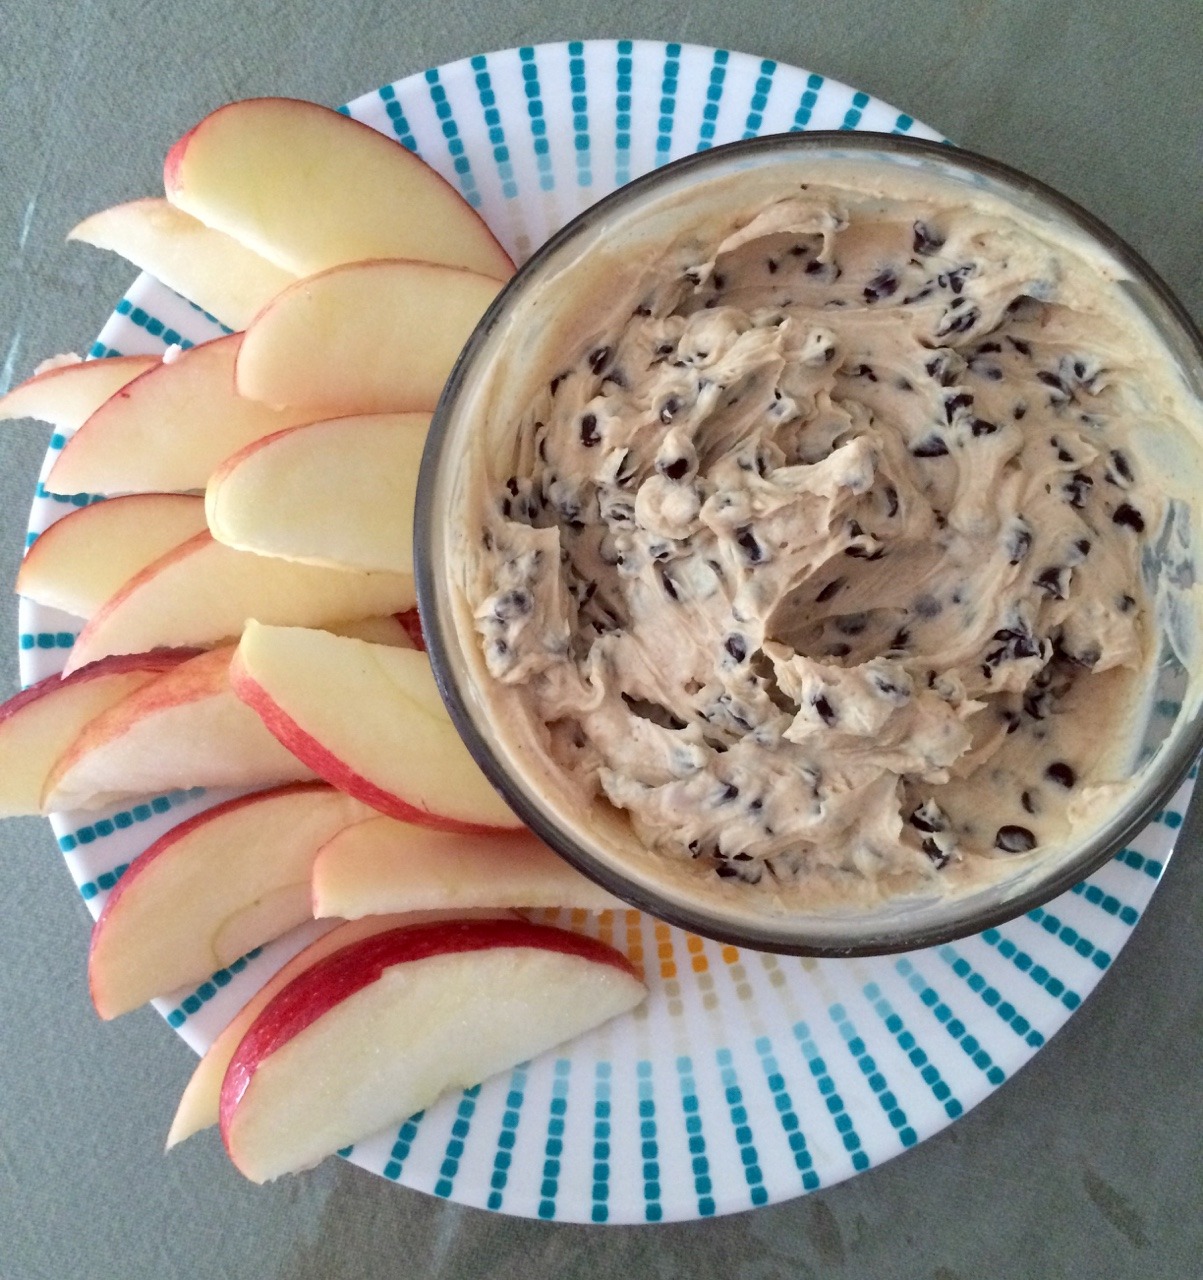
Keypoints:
pixel 513 604
pixel 928 818
pixel 814 267
pixel 935 853
pixel 1123 467
pixel 852 624
pixel 829 590
pixel 1052 582
pixel 988 349
pixel 925 241
pixel 958 321
pixel 1061 773
pixel 838 650
pixel 726 871
pixel 1019 543
pixel 1019 411
pixel 983 427
pixel 589 432
pixel 955 279
pixel 1128 516
pixel 862 371
pixel 927 606
pixel 730 792
pixel 1028 800
pixel 772 266
pixel 676 469
pixel 824 708
pixel 1024 348
pixel 642 310
pixel 669 409
pixel 891 497
pixel 670 587
pixel 1010 719
pixel 901 640
pixel 554 385
pixel 1076 489
pixel 736 646
pixel 1082 545
pixel 931 446
pixel 599 358
pixel 1126 603
pixel 959 400
pixel 1014 840
pixel 1052 380
pixel 881 286
pixel 753 551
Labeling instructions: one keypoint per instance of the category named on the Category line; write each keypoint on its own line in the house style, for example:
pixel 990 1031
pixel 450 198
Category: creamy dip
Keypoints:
pixel 819 552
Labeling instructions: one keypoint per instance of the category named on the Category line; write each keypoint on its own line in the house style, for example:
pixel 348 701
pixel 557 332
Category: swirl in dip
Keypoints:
pixel 815 548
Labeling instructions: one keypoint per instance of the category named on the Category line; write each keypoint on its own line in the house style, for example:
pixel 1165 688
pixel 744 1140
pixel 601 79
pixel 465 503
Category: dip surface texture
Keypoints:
pixel 820 555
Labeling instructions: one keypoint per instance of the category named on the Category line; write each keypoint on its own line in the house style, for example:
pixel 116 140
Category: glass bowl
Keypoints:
pixel 516 342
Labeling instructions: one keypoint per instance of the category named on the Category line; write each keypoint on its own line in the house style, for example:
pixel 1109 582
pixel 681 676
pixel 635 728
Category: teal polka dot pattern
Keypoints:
pixel 719 1096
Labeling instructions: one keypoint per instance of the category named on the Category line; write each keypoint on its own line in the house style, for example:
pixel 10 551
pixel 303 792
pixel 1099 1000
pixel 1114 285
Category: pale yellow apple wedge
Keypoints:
pixel 185 729
pixel 309 188
pixel 385 1026
pixel 81 560
pixel 64 395
pixel 167 430
pixel 370 337
pixel 337 493
pixel 386 630
pixel 202 593
pixel 41 722
pixel 207 267
pixel 385 865
pixel 211 889
pixel 368 719
pixel 198 1108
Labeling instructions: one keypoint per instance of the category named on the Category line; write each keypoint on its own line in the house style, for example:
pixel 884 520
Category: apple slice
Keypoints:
pixel 369 337
pixel 168 429
pixel 388 630
pixel 41 722
pixel 199 1103
pixel 387 1025
pixel 185 729
pixel 337 493
pixel 309 188
pixel 369 720
pixel 384 865
pixel 81 560
pixel 212 269
pixel 64 395
pixel 202 593
pixel 211 889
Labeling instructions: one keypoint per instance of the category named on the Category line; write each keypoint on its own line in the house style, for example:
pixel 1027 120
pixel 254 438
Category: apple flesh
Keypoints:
pixel 200 1101
pixel 369 720
pixel 413 624
pixel 201 593
pixel 168 429
pixel 388 630
pixel 384 865
pixel 211 889
pixel 208 267
pixel 387 1025
pixel 338 493
pixel 309 188
pixel 369 337
pixel 81 560
pixel 64 395
pixel 185 729
pixel 39 724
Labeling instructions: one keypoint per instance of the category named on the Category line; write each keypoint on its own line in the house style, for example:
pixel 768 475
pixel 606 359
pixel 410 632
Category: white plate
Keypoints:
pixel 747 1078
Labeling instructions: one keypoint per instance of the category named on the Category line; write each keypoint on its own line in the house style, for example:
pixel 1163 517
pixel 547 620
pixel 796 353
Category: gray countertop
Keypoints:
pixel 1088 1164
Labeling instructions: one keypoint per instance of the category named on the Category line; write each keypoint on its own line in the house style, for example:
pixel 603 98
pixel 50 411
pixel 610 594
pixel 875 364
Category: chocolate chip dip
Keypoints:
pixel 817 554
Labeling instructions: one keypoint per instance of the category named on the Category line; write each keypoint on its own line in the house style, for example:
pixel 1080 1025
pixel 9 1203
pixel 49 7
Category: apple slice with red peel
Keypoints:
pixel 64 395
pixel 202 593
pixel 384 865
pixel 211 889
pixel 41 722
pixel 185 729
pixel 309 188
pixel 369 720
pixel 208 267
pixel 369 337
pixel 413 624
pixel 168 429
pixel 387 1025
pixel 337 493
pixel 81 560
pixel 199 1103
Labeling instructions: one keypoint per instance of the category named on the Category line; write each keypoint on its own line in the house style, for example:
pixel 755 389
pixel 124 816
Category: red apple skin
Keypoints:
pixel 166 842
pixel 336 977
pixel 160 661
pixel 174 158
pixel 413 628
pixel 335 771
